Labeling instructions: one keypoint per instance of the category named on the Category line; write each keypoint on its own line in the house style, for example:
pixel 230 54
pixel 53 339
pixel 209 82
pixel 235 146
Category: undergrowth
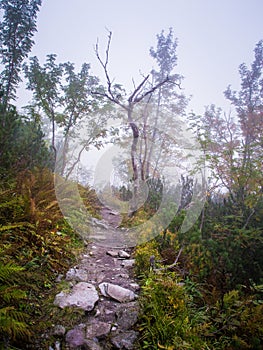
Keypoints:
pixel 185 310
pixel 37 245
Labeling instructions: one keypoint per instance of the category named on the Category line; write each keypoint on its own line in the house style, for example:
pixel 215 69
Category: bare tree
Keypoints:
pixel 141 92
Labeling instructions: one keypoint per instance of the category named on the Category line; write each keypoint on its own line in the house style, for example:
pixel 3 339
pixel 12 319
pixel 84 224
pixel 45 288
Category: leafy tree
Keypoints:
pixel 65 98
pixel 249 107
pixel 16 40
pixel 22 144
pixel 234 145
pixel 45 82
pixel 165 97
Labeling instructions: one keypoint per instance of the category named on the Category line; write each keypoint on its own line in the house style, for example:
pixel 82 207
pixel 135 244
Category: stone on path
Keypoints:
pixel 123 254
pixel 135 286
pixel 125 340
pixel 112 253
pixel 116 292
pixel 78 275
pixel 98 330
pixel 128 263
pixel 99 223
pixel 76 337
pixel 118 254
pixel 83 296
pixel 127 315
pixel 91 345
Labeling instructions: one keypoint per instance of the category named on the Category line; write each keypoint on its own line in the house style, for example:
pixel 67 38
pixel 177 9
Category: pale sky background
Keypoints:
pixel 214 38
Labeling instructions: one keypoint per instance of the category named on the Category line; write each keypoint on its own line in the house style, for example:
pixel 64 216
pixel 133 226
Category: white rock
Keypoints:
pixel 116 292
pixel 123 254
pixel 83 296
pixel 57 345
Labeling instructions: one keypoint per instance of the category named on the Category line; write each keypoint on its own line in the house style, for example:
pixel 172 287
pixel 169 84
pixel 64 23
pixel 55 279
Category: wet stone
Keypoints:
pixel 112 253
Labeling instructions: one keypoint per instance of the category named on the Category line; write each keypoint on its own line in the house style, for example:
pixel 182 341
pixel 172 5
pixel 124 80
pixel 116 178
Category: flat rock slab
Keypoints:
pixel 83 296
pixel 91 345
pixel 98 330
pixel 116 292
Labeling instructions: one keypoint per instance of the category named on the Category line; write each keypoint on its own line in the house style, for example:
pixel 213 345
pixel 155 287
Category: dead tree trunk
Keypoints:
pixel 139 93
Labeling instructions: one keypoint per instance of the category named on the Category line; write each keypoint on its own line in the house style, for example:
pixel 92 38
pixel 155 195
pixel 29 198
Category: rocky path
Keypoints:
pixel 102 284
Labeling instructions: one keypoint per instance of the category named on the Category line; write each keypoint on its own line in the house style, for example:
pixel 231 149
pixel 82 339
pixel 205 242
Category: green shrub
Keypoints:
pixel 167 320
pixel 142 257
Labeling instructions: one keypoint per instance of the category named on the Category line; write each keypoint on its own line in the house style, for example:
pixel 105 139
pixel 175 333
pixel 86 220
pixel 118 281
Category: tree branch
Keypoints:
pixel 110 98
pixel 105 68
pixel 173 264
pixel 155 87
pixel 137 90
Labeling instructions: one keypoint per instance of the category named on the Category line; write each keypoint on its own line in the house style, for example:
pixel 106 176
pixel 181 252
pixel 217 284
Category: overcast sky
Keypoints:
pixel 214 38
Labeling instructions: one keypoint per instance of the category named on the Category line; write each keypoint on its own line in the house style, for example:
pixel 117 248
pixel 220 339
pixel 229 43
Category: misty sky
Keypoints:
pixel 214 38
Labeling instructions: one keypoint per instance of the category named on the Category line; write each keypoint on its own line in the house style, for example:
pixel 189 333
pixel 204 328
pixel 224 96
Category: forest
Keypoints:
pixel 203 225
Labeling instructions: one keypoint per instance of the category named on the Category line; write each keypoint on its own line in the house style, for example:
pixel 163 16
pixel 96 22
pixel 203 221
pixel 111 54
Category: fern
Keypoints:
pixel 9 293
pixel 9 272
pixel 33 234
pixel 12 323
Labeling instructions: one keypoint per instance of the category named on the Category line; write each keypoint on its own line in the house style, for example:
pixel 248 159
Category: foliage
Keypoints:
pixel 64 98
pixel 211 297
pixel 233 145
pixel 22 144
pixel 176 315
pixel 36 238
pixel 167 321
pixel 13 322
pixel 142 256
pixel 16 40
